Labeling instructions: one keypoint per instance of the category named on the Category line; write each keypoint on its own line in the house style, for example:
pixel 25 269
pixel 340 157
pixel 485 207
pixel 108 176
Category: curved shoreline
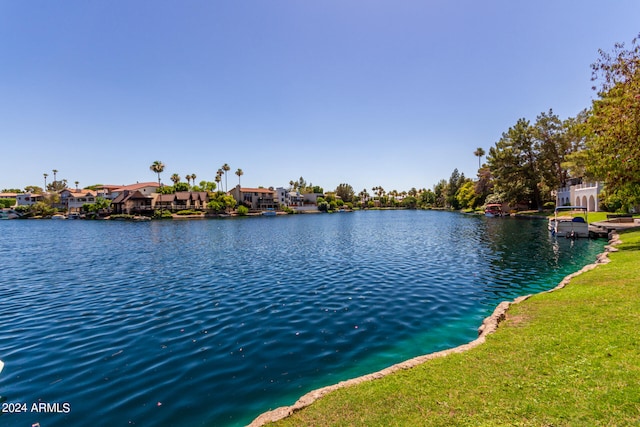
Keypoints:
pixel 489 325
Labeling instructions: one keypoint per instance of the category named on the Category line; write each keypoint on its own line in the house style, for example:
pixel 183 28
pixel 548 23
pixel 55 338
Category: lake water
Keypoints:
pixel 212 322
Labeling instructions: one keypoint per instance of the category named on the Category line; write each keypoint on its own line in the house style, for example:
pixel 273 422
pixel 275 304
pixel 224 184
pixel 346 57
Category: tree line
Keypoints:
pixel 531 160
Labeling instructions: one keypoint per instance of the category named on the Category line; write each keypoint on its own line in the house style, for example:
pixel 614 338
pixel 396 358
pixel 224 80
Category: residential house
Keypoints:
pixel 165 202
pixel 578 193
pixel 255 198
pixel 182 200
pixel 311 198
pixel 72 200
pixel 288 198
pixel 135 199
pixel 199 200
pixel 133 203
pixel 77 199
pixel 196 200
pixel 28 199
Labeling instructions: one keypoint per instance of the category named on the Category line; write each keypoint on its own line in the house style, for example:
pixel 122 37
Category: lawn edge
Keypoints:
pixel 489 325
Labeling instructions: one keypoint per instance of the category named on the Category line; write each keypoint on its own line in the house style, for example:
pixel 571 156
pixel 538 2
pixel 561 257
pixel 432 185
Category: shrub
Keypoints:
pixel 188 212
pixel 7 203
pixel 161 214
pixel 242 210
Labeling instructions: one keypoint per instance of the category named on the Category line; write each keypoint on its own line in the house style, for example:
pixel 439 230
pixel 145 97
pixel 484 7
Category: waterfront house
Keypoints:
pixel 73 200
pixel 288 198
pixel 135 198
pixel 196 200
pixel 578 193
pixel 311 198
pixel 182 200
pixel 133 203
pixel 28 199
pixel 165 202
pixel 255 198
pixel 199 200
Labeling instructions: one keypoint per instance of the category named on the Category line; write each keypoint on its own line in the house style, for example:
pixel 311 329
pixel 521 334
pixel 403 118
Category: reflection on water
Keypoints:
pixel 212 322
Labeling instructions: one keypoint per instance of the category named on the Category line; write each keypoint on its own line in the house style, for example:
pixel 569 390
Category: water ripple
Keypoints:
pixel 212 322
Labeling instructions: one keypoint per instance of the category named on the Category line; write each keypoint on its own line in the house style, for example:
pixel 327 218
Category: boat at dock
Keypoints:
pixel 570 222
pixel 493 210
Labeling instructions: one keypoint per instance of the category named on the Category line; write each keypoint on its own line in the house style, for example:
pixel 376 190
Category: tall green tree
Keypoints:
pixel 553 145
pixel 483 185
pixel 427 198
pixel 479 153
pixel 226 168
pixel 208 186
pixel 455 182
pixel 218 178
pixel 157 167
pixel 239 173
pixel 613 128
pixel 466 195
pixel 440 193
pixel 345 192
pixel 515 167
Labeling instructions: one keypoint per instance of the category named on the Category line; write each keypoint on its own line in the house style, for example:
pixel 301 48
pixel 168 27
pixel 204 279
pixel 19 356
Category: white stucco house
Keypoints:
pixel 579 193
pixel 28 199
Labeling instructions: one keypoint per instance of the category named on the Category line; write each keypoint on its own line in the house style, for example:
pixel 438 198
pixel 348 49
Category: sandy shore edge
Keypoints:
pixel 489 325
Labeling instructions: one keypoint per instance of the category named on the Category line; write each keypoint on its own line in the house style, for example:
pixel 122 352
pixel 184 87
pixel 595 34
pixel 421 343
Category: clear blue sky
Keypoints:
pixel 377 92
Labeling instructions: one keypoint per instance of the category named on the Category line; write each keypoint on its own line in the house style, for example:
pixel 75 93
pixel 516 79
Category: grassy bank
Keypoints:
pixel 566 358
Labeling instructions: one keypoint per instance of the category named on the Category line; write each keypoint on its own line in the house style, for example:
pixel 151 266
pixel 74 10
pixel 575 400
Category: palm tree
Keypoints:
pixel 77 182
pixel 239 173
pixel 175 178
pixel 218 179
pixel 193 178
pixel 479 153
pixel 188 178
pixel 226 168
pixel 157 167
pixel 45 181
pixel 55 171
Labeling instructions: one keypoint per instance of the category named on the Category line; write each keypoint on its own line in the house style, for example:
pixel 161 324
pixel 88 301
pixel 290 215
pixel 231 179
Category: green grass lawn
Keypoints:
pixel 565 358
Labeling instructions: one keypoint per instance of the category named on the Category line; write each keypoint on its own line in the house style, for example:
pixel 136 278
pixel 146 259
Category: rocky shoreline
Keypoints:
pixel 489 325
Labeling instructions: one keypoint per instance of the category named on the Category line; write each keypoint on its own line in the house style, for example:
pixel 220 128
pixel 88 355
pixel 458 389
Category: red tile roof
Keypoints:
pixel 136 186
pixel 256 190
